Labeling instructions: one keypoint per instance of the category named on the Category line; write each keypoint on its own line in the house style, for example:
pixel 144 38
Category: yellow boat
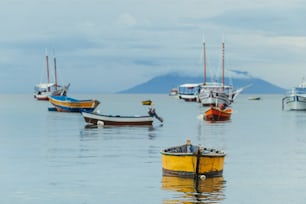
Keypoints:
pixel 147 102
pixel 192 160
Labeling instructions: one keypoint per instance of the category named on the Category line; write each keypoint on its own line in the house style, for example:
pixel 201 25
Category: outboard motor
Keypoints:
pixel 152 113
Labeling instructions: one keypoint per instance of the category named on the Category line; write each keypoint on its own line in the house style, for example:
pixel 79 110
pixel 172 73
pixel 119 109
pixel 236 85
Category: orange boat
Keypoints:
pixel 217 114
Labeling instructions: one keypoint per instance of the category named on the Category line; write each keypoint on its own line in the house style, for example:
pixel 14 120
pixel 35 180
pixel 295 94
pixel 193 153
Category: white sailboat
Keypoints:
pixel 43 90
pixel 211 92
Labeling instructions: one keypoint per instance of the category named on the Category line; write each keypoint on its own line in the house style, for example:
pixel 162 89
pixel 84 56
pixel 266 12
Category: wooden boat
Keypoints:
pixel 43 90
pixel 191 161
pixel 217 114
pixel 117 120
pixel 67 104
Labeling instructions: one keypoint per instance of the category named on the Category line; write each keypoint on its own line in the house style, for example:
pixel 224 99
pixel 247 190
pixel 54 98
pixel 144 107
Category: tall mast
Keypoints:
pixel 55 71
pixel 223 64
pixel 204 62
pixel 48 75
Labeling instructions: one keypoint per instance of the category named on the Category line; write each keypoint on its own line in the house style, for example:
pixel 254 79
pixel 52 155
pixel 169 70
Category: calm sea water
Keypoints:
pixel 50 157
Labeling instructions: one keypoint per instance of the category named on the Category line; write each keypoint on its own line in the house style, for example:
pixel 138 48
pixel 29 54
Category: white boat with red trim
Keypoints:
pixel 120 120
pixel 117 120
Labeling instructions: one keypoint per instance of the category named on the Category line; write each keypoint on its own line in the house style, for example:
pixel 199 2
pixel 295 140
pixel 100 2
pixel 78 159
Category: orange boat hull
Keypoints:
pixel 216 114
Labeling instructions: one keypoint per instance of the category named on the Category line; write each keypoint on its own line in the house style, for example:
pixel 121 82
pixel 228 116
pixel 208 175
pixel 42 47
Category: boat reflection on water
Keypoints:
pixel 210 190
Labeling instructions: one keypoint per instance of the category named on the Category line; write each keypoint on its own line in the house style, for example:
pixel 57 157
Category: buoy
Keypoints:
pixel 100 123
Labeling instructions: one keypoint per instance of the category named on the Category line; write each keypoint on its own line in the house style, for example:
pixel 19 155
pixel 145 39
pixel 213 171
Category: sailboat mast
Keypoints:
pixel 223 65
pixel 55 72
pixel 204 62
pixel 48 74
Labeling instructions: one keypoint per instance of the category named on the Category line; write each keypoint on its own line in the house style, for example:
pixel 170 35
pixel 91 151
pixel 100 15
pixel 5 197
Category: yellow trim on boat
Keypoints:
pixel 83 104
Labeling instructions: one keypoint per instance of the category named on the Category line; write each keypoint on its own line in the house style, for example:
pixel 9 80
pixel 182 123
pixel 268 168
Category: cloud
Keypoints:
pixel 126 19
pixel 275 21
pixel 147 40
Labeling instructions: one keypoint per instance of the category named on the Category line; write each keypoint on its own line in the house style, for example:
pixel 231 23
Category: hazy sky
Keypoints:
pixel 110 45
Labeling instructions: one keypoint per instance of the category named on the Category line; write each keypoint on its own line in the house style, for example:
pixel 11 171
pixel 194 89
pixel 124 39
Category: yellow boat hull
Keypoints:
pixel 209 163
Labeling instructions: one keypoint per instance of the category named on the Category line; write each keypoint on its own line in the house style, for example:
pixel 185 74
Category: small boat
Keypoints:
pixel 67 104
pixel 52 109
pixel 254 98
pixel 147 102
pixel 295 98
pixel 191 161
pixel 43 90
pixel 96 118
pixel 217 113
pixel 117 120
pixel 173 92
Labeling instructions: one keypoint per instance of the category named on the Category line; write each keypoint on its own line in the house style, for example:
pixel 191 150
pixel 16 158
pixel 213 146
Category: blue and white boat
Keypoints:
pixel 67 104
pixel 296 98
pixel 189 92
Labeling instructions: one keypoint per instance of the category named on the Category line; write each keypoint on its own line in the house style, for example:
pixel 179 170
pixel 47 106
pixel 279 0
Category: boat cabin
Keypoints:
pixel 189 92
pixel 216 89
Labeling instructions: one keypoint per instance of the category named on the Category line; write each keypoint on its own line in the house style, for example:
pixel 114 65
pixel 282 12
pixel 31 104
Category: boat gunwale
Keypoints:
pixel 72 100
pixel 208 154
pixel 120 116
pixel 226 111
pixel 205 152
pixel 94 118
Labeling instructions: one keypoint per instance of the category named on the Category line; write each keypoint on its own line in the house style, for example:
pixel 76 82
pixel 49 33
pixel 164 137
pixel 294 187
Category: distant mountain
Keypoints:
pixel 163 84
